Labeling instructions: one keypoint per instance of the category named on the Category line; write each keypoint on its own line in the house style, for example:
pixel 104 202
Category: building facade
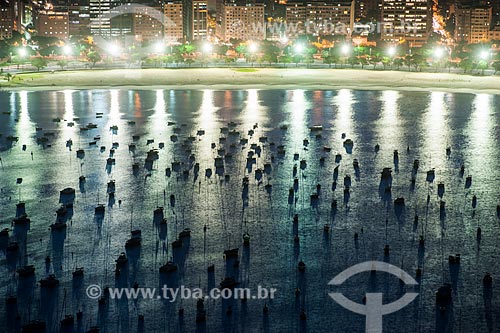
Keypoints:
pixel 6 20
pixel 200 19
pixel 406 21
pixel 367 10
pixel 79 18
pixel 100 18
pixel 51 23
pixel 472 24
pixel 244 22
pixel 174 22
pixel 320 18
pixel 147 25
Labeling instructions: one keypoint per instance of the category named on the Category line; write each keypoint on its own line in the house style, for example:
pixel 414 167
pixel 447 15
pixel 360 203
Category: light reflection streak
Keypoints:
pixel 436 129
pixel 68 113
pixel 114 106
pixel 207 121
pixel 481 132
pixel 389 122
pixel 24 128
pixel 344 101
pixel 160 116
pixel 297 108
pixel 251 112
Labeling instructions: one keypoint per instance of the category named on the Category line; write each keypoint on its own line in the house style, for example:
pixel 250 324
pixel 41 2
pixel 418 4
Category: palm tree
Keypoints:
pixel 398 62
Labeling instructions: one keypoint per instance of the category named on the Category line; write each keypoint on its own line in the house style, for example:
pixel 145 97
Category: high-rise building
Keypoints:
pixel 51 23
pixel 174 22
pixel 122 17
pixel 100 18
pixel 320 17
pixel 79 18
pixel 200 19
pixel 6 19
pixel 406 21
pixel 187 23
pixel 147 23
pixel 480 24
pixel 245 22
pixel 367 10
pixel 472 23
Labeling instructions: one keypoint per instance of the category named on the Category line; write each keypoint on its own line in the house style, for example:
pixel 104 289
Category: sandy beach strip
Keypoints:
pixel 258 78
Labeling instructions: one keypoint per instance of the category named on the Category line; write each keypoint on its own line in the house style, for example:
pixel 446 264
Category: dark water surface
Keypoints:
pixel 427 123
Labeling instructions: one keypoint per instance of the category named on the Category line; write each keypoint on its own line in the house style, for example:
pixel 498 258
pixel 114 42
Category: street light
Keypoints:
pixel 346 49
pixel 114 50
pixel 159 47
pixel 252 47
pixel 22 52
pixel 438 52
pixel 207 48
pixel 299 48
pixel 391 51
pixel 484 55
pixel 67 50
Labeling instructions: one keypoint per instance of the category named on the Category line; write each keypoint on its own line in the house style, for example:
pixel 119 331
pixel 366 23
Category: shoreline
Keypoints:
pixel 255 78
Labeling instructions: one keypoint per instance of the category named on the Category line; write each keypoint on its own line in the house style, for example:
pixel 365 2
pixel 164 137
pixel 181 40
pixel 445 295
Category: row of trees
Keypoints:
pixel 265 52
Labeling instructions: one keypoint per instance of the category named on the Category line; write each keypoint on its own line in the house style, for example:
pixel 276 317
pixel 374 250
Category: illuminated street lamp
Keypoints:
pixel 158 47
pixel 438 52
pixel 484 55
pixel 299 48
pixel 252 48
pixel 114 50
pixel 346 49
pixel 207 48
pixel 391 51
pixel 22 52
pixel 67 50
pixel 438 55
pixel 484 63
